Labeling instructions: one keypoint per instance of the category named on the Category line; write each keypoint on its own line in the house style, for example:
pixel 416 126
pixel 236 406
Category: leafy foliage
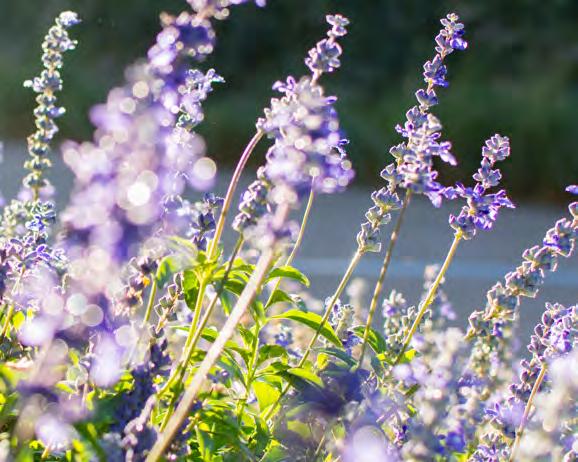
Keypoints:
pixel 133 334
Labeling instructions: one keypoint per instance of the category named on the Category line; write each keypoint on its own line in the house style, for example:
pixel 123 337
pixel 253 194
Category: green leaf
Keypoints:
pixel 18 319
pixel 235 286
pixel 247 335
pixel 226 302
pixel 183 245
pixel 312 320
pixel 258 312
pixel 168 266
pixel 374 339
pixel 337 353
pixel 306 375
pixel 266 394
pixel 205 444
pixel 210 334
pixel 407 356
pixel 271 351
pixel 301 428
pixel 262 436
pixel 290 273
pixel 279 296
pixel 377 364
pixel 275 369
pixel 275 454
pixel 190 288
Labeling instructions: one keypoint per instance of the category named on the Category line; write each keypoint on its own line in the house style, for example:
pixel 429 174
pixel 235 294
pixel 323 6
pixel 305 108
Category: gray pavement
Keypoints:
pixel 425 238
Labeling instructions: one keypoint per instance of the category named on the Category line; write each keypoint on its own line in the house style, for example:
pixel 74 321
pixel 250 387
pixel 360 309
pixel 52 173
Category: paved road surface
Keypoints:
pixel 425 239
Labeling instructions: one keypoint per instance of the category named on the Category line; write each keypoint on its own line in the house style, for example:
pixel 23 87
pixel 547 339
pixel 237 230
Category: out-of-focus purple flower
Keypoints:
pixel 108 362
pixel 254 202
pixel 220 7
pixel 184 35
pixel 572 189
pixel 308 148
pixel 140 435
pixel 555 336
pixel 369 444
pixel 130 177
pixel 54 432
pixel 306 130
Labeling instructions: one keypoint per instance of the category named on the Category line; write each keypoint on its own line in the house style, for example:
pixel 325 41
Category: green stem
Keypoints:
pixel 252 369
pixel 150 304
pixel 6 326
pixel 382 274
pixel 254 352
pixel 180 369
pixel 527 410
pixel 430 295
pixel 231 192
pixel 196 316
pixel 344 280
pixel 346 277
pixel 179 373
pixel 211 252
pixel 297 244
pixel 215 350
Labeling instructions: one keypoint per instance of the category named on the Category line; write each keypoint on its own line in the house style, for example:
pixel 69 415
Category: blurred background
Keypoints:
pixel 519 77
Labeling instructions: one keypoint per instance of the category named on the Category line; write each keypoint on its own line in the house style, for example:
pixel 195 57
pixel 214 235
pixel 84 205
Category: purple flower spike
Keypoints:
pixel 482 208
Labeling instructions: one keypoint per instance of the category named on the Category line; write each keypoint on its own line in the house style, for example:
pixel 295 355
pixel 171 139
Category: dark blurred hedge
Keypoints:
pixel 518 77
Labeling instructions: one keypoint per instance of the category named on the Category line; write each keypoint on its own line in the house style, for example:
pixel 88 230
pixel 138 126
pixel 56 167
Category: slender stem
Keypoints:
pixel 527 410
pixel 179 371
pixel 15 290
pixel 150 304
pixel 252 369
pixel 430 295
pixel 211 251
pixel 320 446
pixel 231 192
pixel 344 280
pixel 346 277
pixel 6 326
pixel 304 222
pixel 196 316
pixel 382 274
pixel 254 353
pixel 214 352
pixel 297 244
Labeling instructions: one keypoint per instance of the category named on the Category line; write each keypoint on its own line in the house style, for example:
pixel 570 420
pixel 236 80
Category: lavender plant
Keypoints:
pixel 132 333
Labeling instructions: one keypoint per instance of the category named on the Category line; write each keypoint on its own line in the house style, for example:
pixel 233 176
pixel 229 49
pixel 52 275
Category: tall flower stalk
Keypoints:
pixel 304 124
pixel 109 350
pixel 480 212
pixel 47 85
pixel 413 170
